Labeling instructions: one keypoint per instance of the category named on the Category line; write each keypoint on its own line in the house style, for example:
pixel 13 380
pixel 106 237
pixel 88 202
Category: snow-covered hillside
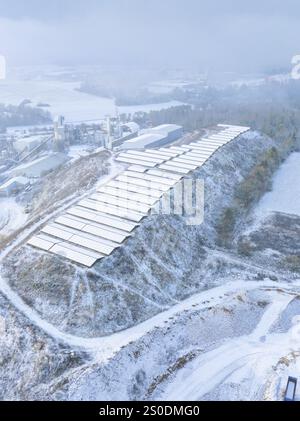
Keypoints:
pixel 171 315
pixel 164 262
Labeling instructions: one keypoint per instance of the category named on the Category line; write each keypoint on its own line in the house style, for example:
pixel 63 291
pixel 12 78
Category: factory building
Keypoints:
pixel 13 186
pixel 155 137
pixel 145 141
pixel 27 144
pixel 40 166
pixel 172 132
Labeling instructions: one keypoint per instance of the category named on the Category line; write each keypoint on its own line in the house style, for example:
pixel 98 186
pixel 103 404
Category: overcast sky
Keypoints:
pixel 216 34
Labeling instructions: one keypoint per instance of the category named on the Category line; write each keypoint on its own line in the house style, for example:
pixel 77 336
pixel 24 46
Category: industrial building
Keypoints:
pixel 172 132
pixel 155 137
pixel 28 143
pixel 13 186
pixel 40 166
pixel 144 141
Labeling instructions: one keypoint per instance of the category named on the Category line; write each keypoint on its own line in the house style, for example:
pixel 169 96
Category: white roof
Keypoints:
pixel 132 126
pixel 45 163
pixel 143 140
pixel 16 180
pixel 102 218
pixel 165 128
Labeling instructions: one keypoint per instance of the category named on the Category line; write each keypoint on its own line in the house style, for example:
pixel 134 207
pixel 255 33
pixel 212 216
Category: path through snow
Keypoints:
pixel 248 357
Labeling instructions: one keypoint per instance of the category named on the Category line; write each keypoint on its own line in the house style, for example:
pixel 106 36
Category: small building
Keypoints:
pixel 13 186
pixel 131 127
pixel 40 166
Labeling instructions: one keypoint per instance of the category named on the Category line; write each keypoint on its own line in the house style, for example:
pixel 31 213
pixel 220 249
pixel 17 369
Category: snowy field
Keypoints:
pixel 64 99
pixel 240 360
pixel 204 349
pixel 285 195
pixel 12 216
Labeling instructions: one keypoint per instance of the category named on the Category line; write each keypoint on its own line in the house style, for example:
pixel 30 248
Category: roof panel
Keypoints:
pixel 100 244
pixel 111 210
pixel 143 183
pixel 155 179
pixel 60 230
pixel 203 147
pixel 57 232
pixel 74 256
pixel 161 153
pixel 179 164
pixel 137 162
pixel 137 168
pixel 185 147
pixel 97 229
pixel 216 141
pixel 168 150
pixel 49 238
pixel 192 160
pixel 164 174
pixel 64 220
pixel 227 137
pixel 84 223
pixel 231 130
pixel 108 235
pixel 152 155
pixel 199 154
pixel 125 194
pixel 143 157
pixel 175 148
pixel 101 218
pixel 40 243
pixel 208 144
pixel 174 169
pixel 93 245
pixel 83 250
pixel 134 188
pixel 121 202
pixel 213 143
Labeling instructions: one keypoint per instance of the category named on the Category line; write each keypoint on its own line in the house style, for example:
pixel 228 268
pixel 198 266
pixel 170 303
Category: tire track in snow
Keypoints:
pixel 104 347
pixel 211 369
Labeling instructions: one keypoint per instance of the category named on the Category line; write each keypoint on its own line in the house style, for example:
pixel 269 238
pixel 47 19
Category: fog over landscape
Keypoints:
pixel 223 35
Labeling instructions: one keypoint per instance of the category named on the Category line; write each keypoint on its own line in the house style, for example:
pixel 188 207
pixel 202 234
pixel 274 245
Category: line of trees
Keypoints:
pixel 22 115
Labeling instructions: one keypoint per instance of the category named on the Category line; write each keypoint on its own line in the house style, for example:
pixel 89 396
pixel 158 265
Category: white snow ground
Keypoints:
pixel 12 216
pixel 246 358
pixel 285 195
pixel 65 100
pixel 78 151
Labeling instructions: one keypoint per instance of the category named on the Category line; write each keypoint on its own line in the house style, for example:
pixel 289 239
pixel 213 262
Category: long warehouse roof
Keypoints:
pixel 100 223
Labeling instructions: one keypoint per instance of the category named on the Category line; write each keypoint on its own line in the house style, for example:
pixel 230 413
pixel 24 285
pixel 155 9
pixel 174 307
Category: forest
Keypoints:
pixel 22 115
